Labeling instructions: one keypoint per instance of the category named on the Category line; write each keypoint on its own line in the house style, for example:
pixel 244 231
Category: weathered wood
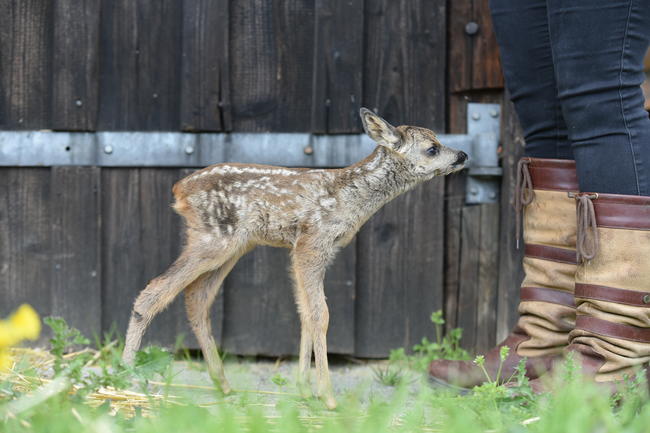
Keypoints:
pixel 75 67
pixel 455 201
pixel 399 272
pixel 122 258
pixel 205 92
pixel 338 66
pixel 25 241
pixel 25 64
pixel 141 53
pixel 404 59
pixel 271 64
pixel 468 286
pixel 510 259
pixel 486 65
pixel 465 271
pixel 473 59
pixel 487 277
pixel 75 284
pixel 459 75
pixel 260 312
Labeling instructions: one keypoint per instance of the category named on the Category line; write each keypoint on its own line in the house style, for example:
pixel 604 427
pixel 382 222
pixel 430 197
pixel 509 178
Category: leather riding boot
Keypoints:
pixel 612 331
pixel 546 307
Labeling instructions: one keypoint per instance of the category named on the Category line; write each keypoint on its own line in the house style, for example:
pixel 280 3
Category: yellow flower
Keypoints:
pixel 5 359
pixel 26 322
pixel 8 334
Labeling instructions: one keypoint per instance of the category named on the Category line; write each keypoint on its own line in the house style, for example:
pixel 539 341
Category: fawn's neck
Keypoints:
pixel 376 180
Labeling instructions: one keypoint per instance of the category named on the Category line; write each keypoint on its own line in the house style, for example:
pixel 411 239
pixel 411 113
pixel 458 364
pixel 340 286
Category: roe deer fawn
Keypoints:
pixel 231 208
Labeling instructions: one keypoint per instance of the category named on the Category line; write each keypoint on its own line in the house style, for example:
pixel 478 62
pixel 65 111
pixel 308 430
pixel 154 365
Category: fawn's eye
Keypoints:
pixel 432 151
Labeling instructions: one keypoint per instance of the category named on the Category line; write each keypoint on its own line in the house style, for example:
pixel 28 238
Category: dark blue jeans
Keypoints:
pixel 574 71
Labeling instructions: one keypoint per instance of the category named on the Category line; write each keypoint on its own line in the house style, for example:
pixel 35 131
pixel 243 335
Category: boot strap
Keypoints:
pixel 610 329
pixel 612 294
pixel 554 254
pixel 542 294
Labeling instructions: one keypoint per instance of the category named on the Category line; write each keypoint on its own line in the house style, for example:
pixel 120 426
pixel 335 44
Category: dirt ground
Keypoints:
pixel 253 380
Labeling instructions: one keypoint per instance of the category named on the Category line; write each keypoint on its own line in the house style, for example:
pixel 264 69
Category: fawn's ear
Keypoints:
pixel 379 130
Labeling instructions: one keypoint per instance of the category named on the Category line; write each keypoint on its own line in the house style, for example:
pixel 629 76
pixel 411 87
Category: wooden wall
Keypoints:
pixel 82 241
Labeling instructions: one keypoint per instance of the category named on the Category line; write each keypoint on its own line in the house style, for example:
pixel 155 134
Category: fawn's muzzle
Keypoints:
pixel 461 158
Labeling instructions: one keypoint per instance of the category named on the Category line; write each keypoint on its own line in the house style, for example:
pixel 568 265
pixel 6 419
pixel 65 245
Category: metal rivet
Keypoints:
pixel 155 95
pixel 108 149
pixel 476 116
pixel 473 191
pixel 308 150
pixel 494 113
pixel 646 299
pixel 471 28
pixel 78 103
pixel 493 195
pixel 189 150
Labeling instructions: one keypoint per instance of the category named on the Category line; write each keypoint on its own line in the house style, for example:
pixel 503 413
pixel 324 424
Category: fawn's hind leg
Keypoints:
pixel 199 297
pixel 162 290
pixel 309 264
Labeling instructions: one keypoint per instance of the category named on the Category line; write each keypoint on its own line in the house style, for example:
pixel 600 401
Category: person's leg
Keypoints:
pixel 547 175
pixel 521 29
pixel 598 49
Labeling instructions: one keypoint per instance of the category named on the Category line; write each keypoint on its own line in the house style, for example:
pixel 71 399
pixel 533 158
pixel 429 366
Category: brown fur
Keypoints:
pixel 230 208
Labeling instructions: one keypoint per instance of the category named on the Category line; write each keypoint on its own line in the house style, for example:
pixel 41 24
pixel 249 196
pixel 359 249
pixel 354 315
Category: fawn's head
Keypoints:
pixel 419 146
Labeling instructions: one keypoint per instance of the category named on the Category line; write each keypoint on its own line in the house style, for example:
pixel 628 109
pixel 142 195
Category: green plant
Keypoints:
pixel 279 380
pixel 444 347
pixel 389 375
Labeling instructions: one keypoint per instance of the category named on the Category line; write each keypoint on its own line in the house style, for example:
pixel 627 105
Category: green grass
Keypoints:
pixel 574 406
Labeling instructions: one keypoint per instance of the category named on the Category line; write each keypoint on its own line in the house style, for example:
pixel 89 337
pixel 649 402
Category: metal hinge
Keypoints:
pixel 481 143
pixel 177 149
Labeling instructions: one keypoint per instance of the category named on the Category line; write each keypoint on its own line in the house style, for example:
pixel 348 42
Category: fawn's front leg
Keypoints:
pixel 309 271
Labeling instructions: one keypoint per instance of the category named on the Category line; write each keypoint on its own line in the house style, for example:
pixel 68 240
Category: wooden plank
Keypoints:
pixel 122 258
pixel 271 65
pixel 487 277
pixel 338 66
pixel 455 275
pixel 469 283
pixel 486 65
pixel 139 87
pixel 405 60
pixel 399 279
pixel 340 290
pixel 25 246
pixel 473 59
pixel 510 259
pixel 260 316
pixel 76 245
pixel 460 46
pixel 75 71
pixel 455 201
pixel 205 88
pixel 25 64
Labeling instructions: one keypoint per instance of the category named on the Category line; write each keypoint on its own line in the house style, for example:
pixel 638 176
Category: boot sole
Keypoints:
pixel 439 383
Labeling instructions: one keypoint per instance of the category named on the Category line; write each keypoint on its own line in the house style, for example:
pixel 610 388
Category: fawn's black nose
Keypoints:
pixel 462 157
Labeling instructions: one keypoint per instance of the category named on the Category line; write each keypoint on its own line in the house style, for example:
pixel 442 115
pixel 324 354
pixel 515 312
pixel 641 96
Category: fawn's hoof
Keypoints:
pixel 304 389
pixel 329 401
